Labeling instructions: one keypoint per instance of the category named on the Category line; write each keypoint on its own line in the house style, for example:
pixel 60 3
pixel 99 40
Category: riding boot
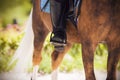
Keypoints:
pixel 57 11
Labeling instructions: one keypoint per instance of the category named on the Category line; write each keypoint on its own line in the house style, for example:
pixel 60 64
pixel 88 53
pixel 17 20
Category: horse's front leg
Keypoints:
pixel 40 33
pixel 57 58
pixel 88 60
pixel 35 72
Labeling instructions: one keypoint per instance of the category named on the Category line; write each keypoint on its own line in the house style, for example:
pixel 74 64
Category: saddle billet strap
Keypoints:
pixel 79 2
pixel 76 7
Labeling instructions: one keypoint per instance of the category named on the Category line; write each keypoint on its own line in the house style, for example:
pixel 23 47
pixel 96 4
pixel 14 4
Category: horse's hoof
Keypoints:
pixel 32 78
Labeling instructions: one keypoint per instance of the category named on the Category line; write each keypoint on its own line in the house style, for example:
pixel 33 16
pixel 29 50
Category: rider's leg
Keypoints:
pixel 57 12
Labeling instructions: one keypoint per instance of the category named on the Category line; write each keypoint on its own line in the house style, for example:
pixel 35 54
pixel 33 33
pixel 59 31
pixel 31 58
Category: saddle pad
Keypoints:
pixel 46 8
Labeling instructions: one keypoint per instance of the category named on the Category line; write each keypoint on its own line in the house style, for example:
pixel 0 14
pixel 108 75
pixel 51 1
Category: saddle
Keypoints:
pixel 71 15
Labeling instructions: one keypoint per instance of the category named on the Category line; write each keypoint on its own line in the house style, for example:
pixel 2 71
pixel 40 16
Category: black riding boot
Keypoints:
pixel 58 37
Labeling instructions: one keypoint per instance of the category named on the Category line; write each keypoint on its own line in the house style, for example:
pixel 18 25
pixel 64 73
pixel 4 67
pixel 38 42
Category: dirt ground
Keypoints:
pixel 77 75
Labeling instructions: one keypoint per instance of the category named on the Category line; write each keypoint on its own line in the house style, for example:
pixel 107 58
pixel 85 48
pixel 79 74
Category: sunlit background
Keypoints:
pixel 13 16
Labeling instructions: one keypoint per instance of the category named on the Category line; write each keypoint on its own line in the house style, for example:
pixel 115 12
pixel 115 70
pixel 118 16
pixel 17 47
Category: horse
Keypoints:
pixel 99 22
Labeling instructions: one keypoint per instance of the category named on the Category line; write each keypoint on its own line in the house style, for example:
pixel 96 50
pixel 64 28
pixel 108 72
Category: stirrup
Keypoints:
pixel 58 46
pixel 57 42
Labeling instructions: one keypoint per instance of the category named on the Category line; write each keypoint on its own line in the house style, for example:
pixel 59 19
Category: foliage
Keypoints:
pixel 9 41
pixel 15 9
pixel 4 62
pixel 101 57
pixel 6 4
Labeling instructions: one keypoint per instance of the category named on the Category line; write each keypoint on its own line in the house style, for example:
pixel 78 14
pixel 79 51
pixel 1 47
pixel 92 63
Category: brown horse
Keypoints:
pixel 99 21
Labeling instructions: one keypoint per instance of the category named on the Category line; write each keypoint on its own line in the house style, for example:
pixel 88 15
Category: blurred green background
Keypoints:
pixel 13 15
pixel 14 9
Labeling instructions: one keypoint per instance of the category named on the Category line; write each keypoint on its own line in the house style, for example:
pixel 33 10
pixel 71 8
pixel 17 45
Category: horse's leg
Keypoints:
pixel 40 33
pixel 35 72
pixel 57 58
pixel 88 59
pixel 113 58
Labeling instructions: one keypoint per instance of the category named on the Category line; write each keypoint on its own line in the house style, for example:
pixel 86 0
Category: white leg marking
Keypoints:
pixel 35 72
pixel 54 75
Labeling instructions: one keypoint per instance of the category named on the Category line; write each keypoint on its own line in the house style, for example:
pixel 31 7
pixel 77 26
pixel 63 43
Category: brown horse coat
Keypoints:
pixel 99 21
